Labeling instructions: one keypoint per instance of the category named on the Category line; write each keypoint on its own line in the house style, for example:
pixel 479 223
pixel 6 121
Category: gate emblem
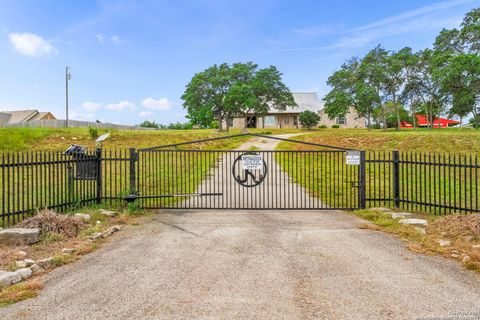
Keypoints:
pixel 249 169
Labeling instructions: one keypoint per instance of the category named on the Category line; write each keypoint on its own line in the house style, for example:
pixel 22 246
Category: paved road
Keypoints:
pixel 253 264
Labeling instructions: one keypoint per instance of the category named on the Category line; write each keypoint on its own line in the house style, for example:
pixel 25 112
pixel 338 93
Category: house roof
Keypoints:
pixel 20 116
pixel 305 101
pixel 41 115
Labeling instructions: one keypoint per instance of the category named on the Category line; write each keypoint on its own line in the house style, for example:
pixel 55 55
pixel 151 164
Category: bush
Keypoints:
pixel 149 124
pixel 336 126
pixel 48 221
pixel 308 119
pixel 322 126
pixel 93 132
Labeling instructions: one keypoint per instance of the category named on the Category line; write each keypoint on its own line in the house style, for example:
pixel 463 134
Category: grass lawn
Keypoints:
pixel 22 139
pixel 452 186
pixel 438 140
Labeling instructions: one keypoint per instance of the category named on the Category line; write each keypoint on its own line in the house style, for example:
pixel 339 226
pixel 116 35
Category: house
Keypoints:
pixel 22 116
pixel 422 122
pixel 289 118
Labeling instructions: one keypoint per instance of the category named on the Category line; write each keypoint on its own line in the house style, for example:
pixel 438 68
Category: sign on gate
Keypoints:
pixel 353 158
pixel 252 161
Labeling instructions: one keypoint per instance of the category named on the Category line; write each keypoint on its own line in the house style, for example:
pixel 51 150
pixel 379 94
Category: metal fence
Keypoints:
pixel 436 183
pixel 420 181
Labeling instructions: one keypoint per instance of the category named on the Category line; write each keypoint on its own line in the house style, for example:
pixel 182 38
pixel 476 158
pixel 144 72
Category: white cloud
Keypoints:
pixel 120 106
pixel 31 45
pixel 153 104
pixel 99 38
pixel 115 40
pixel 145 114
pixel 91 106
pixel 82 116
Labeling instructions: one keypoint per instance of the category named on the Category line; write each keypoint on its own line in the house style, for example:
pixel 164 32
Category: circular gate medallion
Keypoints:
pixel 249 169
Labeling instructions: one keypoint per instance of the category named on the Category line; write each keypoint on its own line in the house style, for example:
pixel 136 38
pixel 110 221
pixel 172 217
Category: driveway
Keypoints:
pixel 253 265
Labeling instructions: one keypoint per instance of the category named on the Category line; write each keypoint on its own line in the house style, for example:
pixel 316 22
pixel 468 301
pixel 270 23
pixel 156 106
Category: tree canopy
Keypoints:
pixel 308 119
pixel 224 91
pixel 383 84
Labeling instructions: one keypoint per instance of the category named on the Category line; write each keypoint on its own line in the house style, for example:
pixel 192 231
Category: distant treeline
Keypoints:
pixel 172 126
pixel 388 87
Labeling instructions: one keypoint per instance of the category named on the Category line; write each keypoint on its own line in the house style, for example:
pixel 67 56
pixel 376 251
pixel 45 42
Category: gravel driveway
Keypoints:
pixel 253 264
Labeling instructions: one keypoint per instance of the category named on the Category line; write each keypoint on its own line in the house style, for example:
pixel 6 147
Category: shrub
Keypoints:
pixel 93 132
pixel 322 126
pixel 308 119
pixel 49 221
pixel 336 126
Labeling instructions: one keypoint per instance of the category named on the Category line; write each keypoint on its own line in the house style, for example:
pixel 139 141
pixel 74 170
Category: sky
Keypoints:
pixel 130 60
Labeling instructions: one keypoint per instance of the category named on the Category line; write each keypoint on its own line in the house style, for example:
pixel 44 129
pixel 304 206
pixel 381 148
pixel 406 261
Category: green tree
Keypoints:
pixel 149 124
pixel 308 119
pixel 350 89
pixel 372 71
pixel 457 65
pixel 242 89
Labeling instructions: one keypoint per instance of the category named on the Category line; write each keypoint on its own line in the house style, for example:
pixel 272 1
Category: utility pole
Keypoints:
pixel 68 76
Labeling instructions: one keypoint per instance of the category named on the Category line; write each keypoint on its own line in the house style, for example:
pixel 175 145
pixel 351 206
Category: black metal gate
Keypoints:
pixel 173 177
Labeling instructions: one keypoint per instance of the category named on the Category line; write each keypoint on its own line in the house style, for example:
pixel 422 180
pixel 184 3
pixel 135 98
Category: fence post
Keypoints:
pixel 362 181
pixel 98 154
pixel 396 178
pixel 133 177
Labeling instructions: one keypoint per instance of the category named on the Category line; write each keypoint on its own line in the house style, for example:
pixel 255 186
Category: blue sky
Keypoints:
pixel 131 60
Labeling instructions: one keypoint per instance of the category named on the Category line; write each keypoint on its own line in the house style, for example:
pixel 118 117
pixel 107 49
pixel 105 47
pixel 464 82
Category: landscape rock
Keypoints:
pixel 29 262
pixel 419 222
pixel 83 216
pixel 444 243
pixel 476 246
pixel 397 215
pixel 21 264
pixel 421 230
pixel 466 259
pixel 19 236
pixel 68 250
pixel 117 228
pixel 25 273
pixel 45 263
pixel 107 212
pixel 36 269
pixel 9 278
pixel 98 235
pixel 98 222
pixel 20 254
pixel 455 255
pixel 381 209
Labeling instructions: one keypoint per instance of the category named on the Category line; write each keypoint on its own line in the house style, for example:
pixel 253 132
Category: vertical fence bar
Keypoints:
pixel 361 181
pixel 98 160
pixel 396 178
pixel 133 176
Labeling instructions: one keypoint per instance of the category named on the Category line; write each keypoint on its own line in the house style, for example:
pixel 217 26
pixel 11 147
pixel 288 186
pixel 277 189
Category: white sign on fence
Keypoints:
pixel 252 161
pixel 353 158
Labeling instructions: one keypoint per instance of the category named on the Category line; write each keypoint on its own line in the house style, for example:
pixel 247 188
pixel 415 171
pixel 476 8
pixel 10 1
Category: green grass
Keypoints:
pixel 450 140
pixel 330 178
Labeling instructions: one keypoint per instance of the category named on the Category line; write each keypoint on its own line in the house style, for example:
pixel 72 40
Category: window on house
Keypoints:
pixel 230 122
pixel 341 120
pixel 286 120
pixel 294 121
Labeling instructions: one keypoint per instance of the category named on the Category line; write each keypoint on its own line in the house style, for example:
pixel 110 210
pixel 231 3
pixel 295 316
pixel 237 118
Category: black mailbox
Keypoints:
pixel 86 165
